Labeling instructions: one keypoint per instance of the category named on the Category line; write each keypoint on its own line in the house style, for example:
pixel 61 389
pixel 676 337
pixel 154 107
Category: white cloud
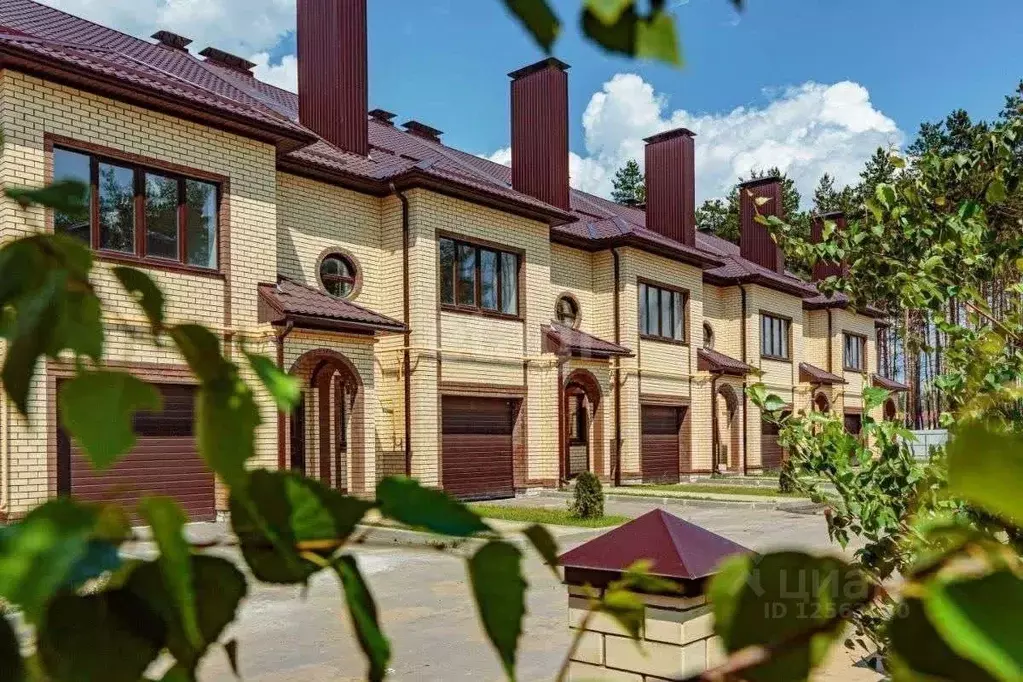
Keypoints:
pixel 283 75
pixel 243 27
pixel 805 130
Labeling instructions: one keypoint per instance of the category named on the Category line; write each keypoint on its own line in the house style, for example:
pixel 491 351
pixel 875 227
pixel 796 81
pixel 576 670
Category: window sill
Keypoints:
pixel 854 370
pixel 448 308
pixel 775 358
pixel 661 339
pixel 156 264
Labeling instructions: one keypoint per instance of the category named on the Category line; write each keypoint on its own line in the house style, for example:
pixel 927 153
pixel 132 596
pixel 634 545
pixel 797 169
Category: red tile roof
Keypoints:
pixel 677 549
pixel 809 374
pixel 310 308
pixel 98 58
pixel 839 300
pixel 569 341
pixel 719 363
pixel 889 384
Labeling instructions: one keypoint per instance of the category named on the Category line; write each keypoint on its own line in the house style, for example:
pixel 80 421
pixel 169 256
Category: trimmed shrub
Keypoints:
pixel 589 497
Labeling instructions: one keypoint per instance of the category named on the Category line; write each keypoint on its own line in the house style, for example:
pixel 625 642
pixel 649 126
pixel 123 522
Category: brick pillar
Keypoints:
pixel 677 638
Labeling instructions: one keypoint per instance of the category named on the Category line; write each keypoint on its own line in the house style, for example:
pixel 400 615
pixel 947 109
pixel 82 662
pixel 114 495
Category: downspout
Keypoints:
pixel 562 448
pixel 406 312
pixel 617 473
pixel 830 360
pixel 745 385
pixel 281 417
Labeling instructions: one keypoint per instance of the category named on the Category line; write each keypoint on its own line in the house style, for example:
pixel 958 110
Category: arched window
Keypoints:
pixel 708 336
pixel 567 311
pixel 338 275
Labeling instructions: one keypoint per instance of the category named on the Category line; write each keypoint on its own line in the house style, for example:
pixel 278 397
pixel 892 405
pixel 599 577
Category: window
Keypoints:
pixel 774 337
pixel 662 312
pixel 338 275
pixel 708 336
pixel 567 311
pixel 140 212
pixel 478 278
pixel 855 353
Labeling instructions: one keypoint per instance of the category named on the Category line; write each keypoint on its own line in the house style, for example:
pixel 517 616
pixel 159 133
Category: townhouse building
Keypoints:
pixel 482 328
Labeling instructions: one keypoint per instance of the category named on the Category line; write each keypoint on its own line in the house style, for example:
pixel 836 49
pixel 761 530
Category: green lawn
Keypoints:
pixel 551 516
pixel 709 489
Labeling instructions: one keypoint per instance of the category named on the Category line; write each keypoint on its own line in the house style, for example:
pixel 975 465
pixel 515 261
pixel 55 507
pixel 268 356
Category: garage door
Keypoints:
pixel 660 452
pixel 772 456
pixel 476 444
pixel 165 461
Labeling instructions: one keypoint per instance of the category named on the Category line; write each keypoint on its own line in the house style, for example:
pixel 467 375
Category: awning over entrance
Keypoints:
pixel 810 374
pixel 718 363
pixel 564 340
pixel 309 308
pixel 889 384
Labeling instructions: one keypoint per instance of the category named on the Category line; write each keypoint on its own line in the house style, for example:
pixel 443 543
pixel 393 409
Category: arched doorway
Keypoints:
pixel 891 411
pixel 582 424
pixel 821 403
pixel 727 455
pixel 325 432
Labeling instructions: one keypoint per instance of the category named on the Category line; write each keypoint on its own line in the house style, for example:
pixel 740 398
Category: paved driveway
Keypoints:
pixel 428 612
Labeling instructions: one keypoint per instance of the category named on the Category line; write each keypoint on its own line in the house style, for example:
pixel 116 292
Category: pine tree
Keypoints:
pixel 878 169
pixel 825 196
pixel 727 226
pixel 629 186
pixel 712 216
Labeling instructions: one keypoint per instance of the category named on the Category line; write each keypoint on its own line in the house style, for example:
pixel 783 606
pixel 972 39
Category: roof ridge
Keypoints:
pixel 75 17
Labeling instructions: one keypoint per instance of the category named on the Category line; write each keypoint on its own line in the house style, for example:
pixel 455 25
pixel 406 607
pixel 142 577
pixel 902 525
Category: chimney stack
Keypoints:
pixel 671 185
pixel 824 269
pixel 539 131
pixel 755 242
pixel 333 85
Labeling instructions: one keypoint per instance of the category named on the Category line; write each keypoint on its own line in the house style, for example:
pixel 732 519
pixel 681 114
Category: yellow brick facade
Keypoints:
pixel 277 223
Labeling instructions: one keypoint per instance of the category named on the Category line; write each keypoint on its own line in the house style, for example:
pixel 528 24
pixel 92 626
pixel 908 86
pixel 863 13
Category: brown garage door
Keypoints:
pixel 477 447
pixel 165 461
pixel 772 456
pixel 660 454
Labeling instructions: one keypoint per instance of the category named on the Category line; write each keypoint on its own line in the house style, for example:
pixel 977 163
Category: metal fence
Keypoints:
pixel 927 439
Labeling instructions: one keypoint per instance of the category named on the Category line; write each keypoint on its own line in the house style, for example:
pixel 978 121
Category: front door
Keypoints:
pixel 577 426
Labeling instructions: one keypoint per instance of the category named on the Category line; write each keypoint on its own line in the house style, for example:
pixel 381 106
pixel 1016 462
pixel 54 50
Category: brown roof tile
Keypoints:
pixel 310 308
pixel 810 374
pixel 719 363
pixel 888 384
pixel 569 341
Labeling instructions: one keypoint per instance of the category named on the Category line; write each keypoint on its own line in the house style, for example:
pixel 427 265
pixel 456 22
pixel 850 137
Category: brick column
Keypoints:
pixel 677 638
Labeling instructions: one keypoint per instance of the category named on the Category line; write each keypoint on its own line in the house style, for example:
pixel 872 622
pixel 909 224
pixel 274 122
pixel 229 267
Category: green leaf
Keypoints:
pixel 363 611
pixel 656 39
pixel 219 588
pixel 278 511
pixel 226 420
pixel 545 545
pixel 996 192
pixel 618 37
pixel 38 555
pixel 874 397
pixel 167 522
pixel 201 349
pixel 12 667
pixel 537 17
pixel 408 502
pixel 144 289
pixel 917 647
pixel 106 637
pixel 760 600
pixel 979 619
pixel 500 590
pixel 985 467
pixel 285 389
pixel 885 194
pixel 65 196
pixel 608 11
pixel 97 408
pixel 626 607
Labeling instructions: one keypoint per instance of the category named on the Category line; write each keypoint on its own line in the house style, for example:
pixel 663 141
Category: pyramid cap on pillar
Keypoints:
pixel 676 549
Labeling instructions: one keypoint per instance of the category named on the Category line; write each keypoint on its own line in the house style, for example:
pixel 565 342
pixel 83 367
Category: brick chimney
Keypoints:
pixel 824 269
pixel 333 85
pixel 539 131
pixel 671 185
pixel 755 242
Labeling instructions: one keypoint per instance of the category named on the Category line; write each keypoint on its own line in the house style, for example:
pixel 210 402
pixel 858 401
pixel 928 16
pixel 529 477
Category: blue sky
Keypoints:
pixel 820 83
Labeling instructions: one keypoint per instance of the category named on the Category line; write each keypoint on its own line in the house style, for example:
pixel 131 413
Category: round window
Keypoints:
pixel 337 275
pixel 567 311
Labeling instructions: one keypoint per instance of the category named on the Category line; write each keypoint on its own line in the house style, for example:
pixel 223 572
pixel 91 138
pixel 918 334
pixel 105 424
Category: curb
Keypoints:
pixel 698 502
pixel 386 536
